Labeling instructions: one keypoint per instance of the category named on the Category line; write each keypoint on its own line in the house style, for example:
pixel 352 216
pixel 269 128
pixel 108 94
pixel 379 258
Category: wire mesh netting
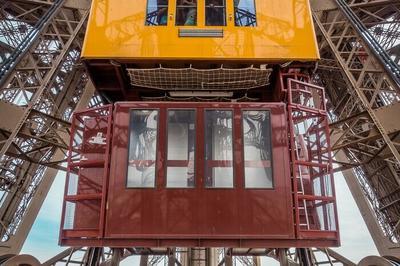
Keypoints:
pixel 200 79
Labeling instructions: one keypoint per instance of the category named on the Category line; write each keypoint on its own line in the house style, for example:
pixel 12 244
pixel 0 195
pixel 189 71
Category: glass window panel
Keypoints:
pixel 73 184
pixel 245 13
pixel 69 215
pixel 142 148
pixel 322 185
pixel 157 13
pixel 257 149
pixel 181 149
pixel 325 214
pixel 186 13
pixel 218 149
pixel 215 13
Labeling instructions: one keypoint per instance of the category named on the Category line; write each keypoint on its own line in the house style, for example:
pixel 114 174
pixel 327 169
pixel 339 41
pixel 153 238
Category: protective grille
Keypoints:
pixel 170 79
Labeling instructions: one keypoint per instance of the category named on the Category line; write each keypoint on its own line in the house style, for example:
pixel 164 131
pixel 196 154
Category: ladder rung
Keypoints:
pixel 94 196
pixel 88 163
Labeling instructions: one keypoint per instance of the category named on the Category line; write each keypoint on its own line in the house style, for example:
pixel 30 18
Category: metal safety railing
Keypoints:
pixel 83 213
pixel 314 199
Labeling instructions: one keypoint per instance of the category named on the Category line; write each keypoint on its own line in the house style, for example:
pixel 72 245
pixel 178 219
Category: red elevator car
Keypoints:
pixel 207 174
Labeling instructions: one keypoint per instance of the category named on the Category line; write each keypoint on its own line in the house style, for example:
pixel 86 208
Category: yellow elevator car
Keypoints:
pixel 131 35
pixel 244 30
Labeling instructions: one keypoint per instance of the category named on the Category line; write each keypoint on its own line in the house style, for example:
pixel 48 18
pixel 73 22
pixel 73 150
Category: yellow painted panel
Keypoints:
pixel 284 32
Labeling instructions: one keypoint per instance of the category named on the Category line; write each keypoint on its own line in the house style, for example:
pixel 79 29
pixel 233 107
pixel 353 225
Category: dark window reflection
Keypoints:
pixel 218 149
pixel 186 12
pixel 157 13
pixel 245 13
pixel 181 148
pixel 215 13
pixel 142 148
pixel 257 149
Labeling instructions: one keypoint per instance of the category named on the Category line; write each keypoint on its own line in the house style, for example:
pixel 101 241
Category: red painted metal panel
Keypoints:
pixel 198 213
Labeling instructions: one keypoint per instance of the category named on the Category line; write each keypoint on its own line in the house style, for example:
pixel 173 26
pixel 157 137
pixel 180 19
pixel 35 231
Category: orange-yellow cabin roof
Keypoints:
pixel 284 32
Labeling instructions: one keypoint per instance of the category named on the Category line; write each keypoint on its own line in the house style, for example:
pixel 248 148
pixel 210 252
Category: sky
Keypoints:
pixel 42 241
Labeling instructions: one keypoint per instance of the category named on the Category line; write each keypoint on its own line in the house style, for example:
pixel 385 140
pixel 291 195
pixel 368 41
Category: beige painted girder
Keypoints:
pixel 384 246
pixel 16 241
pixel 356 86
pixel 365 131
pixel 42 88
pixel 34 141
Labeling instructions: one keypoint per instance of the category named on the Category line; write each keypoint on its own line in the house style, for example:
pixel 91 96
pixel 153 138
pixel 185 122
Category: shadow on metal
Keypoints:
pixel 19 260
pixel 378 261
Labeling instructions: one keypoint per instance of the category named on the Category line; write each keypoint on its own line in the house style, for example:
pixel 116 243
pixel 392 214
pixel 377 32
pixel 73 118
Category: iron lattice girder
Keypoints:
pixel 381 17
pixel 363 105
pixel 43 90
pixel 55 131
pixel 19 18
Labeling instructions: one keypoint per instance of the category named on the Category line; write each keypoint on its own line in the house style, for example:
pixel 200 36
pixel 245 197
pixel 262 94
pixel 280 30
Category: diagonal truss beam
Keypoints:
pixel 364 104
pixel 41 92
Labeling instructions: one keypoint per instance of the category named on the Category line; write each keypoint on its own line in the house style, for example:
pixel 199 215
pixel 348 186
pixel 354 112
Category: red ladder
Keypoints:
pixel 314 199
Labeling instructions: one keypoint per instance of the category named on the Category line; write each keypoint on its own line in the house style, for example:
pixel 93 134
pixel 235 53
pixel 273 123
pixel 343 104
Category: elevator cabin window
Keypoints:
pixel 218 166
pixel 186 12
pixel 254 127
pixel 181 149
pixel 245 13
pixel 257 149
pixel 215 13
pixel 142 148
pixel 157 13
